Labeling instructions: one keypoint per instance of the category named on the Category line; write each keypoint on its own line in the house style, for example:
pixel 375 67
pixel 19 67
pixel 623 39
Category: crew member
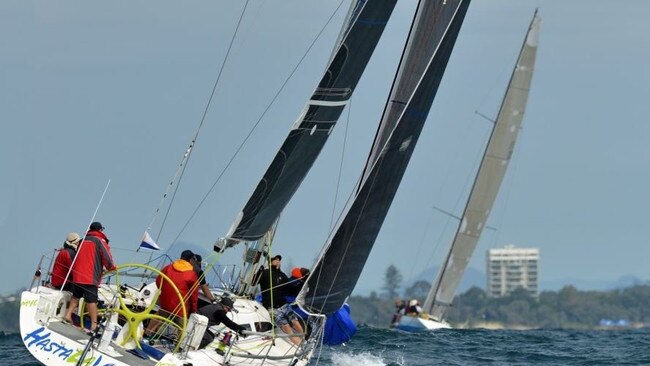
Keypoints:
pixel 217 314
pixel 63 261
pixel 93 256
pixel 271 282
pixel 400 309
pixel 202 282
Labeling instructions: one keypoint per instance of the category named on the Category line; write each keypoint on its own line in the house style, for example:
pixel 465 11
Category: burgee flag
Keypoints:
pixel 148 243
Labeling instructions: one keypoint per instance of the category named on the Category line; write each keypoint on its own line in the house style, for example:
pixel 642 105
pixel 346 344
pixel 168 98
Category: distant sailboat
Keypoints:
pixel 484 191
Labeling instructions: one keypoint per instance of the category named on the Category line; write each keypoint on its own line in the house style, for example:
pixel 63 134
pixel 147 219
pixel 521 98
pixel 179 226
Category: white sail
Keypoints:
pixel 489 177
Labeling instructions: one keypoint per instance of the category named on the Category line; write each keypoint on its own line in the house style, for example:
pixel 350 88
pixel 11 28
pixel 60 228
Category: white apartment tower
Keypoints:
pixel 509 268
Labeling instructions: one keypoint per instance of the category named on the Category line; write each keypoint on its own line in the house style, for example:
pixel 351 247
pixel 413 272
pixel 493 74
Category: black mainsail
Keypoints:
pixel 314 125
pixel 429 23
pixel 340 265
pixel 491 172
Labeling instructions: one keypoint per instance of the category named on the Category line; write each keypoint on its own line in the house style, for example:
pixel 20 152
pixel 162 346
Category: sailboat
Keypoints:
pixel 484 191
pixel 431 40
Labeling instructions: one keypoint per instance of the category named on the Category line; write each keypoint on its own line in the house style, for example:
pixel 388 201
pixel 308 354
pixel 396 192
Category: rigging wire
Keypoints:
pixel 429 260
pixel 259 120
pixel 92 219
pixel 338 179
pixel 349 199
pixel 469 179
pixel 181 170
pixel 504 73
pixel 318 269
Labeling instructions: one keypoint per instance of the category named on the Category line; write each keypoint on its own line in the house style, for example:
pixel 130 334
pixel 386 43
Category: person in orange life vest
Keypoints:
pixel 295 283
pixel 92 257
pixel 62 263
pixel 181 272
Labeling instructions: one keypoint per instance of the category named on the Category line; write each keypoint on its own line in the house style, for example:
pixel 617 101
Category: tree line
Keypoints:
pixel 566 308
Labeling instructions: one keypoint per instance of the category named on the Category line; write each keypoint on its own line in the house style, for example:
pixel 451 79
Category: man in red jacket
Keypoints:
pixel 181 272
pixel 93 256
pixel 60 278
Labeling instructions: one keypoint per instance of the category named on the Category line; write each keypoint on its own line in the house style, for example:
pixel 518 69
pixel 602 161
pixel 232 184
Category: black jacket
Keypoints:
pixel 277 279
pixel 216 315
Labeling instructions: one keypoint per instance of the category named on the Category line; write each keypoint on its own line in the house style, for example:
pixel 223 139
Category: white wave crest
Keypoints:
pixel 361 359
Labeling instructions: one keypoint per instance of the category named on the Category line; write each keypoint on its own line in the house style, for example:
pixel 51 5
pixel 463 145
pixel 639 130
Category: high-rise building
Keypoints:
pixel 509 268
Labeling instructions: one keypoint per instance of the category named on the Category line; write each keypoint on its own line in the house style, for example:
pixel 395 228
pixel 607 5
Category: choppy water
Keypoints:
pixel 378 347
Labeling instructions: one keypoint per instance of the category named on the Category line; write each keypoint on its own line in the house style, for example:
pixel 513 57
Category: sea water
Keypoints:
pixel 379 347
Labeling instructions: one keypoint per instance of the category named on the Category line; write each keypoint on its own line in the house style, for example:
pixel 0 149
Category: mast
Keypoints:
pixel 336 272
pixel 488 179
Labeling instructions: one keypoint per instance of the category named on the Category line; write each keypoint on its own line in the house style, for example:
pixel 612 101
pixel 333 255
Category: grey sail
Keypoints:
pixel 315 123
pixel 428 27
pixel 337 270
pixel 488 179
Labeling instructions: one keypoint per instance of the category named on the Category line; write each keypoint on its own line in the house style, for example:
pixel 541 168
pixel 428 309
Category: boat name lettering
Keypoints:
pixel 40 339
pixel 90 361
pixel 29 303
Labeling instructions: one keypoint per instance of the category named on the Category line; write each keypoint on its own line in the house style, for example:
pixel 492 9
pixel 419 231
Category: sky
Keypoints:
pixel 98 94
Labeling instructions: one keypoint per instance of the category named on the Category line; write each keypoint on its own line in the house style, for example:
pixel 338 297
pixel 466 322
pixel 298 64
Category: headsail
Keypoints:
pixel 489 177
pixel 428 27
pixel 339 267
pixel 315 123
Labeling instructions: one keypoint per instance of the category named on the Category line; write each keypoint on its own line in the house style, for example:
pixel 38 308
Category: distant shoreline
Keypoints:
pixel 504 326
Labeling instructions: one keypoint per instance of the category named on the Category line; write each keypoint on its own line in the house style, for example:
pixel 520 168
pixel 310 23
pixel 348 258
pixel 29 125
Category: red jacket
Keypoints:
pixel 182 274
pixel 62 266
pixel 93 255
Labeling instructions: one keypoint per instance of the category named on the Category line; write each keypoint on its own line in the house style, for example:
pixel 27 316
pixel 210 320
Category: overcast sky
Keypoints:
pixel 97 91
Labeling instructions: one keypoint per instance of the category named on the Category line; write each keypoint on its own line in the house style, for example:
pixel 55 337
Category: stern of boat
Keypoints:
pixel 48 339
pixel 419 324
pixel 55 343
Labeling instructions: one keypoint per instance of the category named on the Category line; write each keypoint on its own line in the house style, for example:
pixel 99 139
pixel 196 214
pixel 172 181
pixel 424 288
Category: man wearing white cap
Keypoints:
pixel 62 263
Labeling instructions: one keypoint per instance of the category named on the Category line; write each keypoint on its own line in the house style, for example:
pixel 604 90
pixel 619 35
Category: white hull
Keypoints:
pixel 54 343
pixel 416 324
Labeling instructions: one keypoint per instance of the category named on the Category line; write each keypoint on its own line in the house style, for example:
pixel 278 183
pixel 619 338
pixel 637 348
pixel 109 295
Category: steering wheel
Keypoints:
pixel 135 317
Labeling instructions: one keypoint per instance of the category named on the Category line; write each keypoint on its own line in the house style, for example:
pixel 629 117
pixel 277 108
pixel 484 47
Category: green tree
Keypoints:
pixel 567 308
pixel 392 281
pixel 419 290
